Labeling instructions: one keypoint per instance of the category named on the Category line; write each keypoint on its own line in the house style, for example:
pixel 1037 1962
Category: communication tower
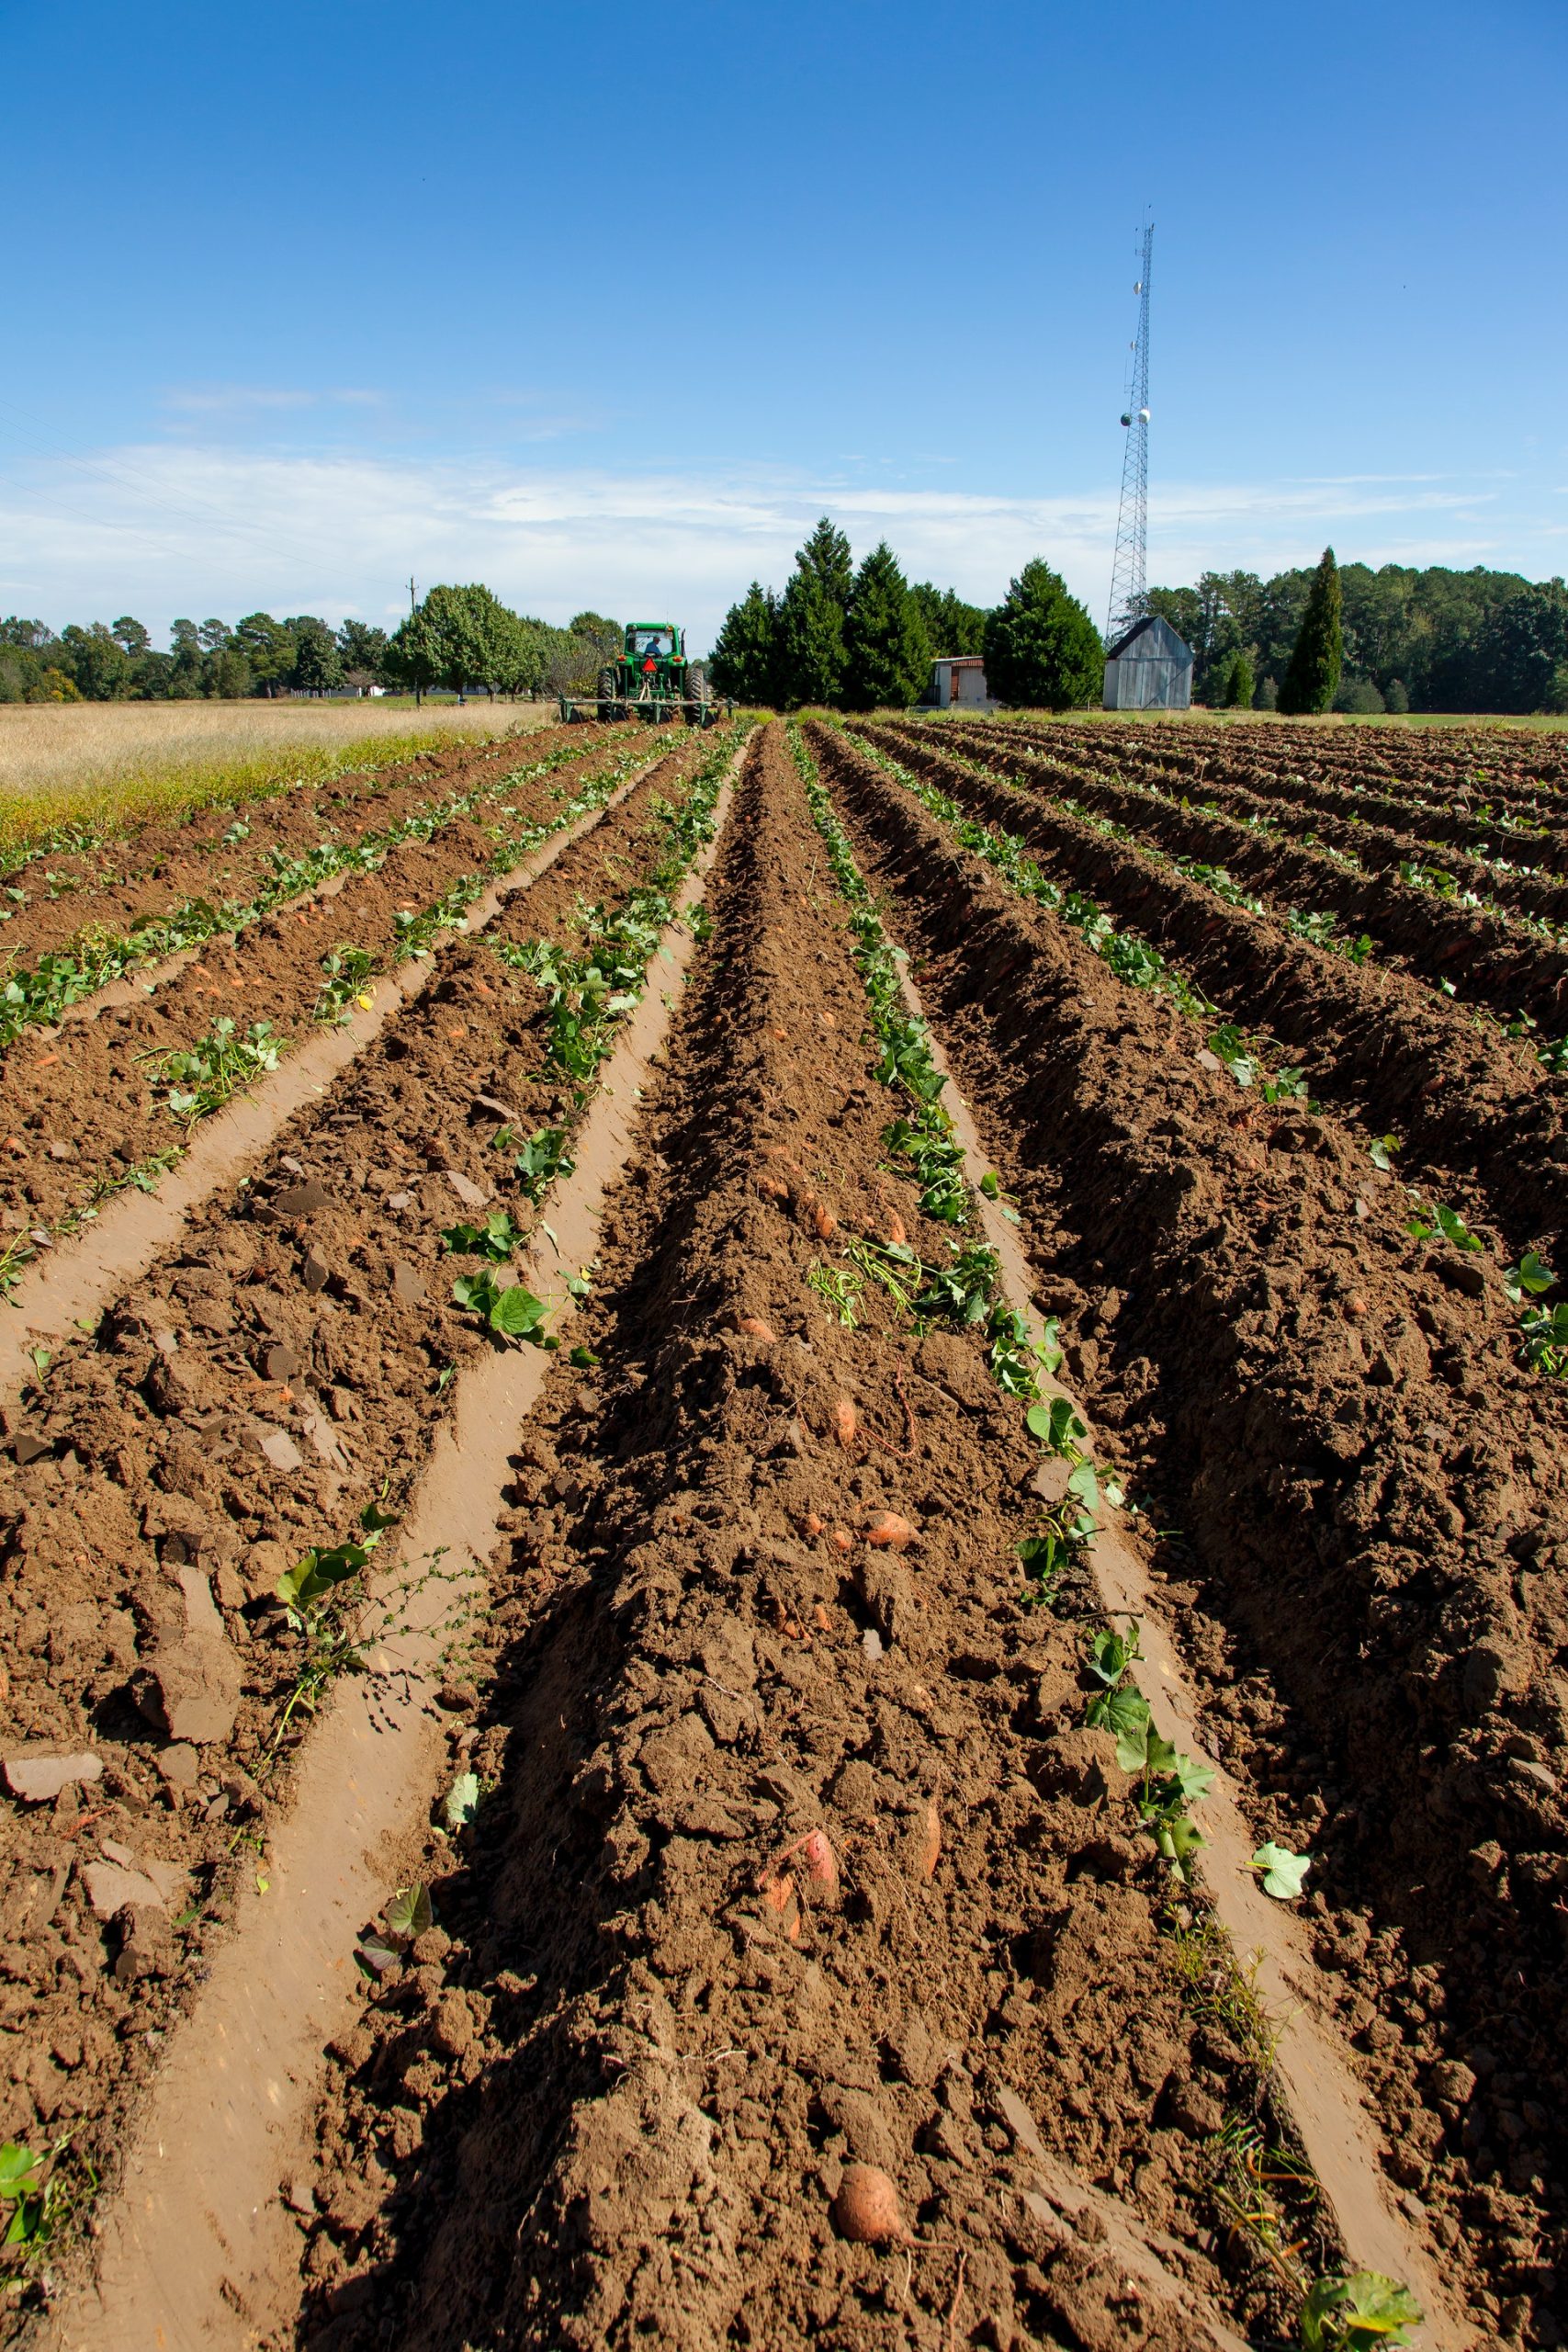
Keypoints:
pixel 1129 573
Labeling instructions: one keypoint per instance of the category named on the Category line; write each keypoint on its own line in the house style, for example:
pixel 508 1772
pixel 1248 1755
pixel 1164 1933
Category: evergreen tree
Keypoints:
pixel 951 626
pixel 811 620
pixel 745 659
pixel 1042 651
pixel 888 654
pixel 1240 685
pixel 1311 680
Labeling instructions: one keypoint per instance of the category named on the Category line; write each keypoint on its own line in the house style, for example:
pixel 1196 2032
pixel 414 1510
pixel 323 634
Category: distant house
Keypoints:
pixel 960 678
pixel 1148 668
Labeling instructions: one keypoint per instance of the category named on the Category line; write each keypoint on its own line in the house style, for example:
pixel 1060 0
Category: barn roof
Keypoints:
pixel 1150 639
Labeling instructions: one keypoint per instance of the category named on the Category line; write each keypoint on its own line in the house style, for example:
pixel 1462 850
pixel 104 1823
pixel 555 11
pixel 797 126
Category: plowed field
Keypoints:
pixel 855 1458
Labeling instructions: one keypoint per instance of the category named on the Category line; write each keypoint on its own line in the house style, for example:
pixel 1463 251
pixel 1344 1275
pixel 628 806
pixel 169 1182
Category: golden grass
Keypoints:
pixel 113 767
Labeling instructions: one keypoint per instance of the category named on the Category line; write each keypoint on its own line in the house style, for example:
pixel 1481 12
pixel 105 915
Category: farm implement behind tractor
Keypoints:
pixel 653 681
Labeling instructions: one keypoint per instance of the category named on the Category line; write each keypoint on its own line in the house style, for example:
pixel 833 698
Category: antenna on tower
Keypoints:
pixel 1129 573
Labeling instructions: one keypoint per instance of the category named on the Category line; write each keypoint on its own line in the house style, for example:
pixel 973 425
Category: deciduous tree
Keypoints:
pixel 96 663
pixel 268 648
pixel 318 664
pixel 364 649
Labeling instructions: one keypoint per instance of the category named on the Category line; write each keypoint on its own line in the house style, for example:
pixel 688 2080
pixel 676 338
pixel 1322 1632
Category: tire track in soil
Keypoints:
pixel 1379 1044
pixel 1371 1502
pixel 196 2244
pixel 239 1403
pixel 87 1105
pixel 63 1288
pixel 611 2093
pixel 165 863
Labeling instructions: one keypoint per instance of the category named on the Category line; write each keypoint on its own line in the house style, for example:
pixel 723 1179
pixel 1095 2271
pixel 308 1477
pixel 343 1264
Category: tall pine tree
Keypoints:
pixel 1312 679
pixel 811 620
pixel 886 651
pixel 745 659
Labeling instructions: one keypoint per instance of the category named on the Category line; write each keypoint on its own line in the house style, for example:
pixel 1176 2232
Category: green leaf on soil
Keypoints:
pixel 408 1913
pixel 1359 2313
pixel 462 1801
pixel 1280 1871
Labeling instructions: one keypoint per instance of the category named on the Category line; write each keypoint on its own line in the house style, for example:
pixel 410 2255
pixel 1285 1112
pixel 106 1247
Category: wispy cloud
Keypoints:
pixel 250 400
pixel 162 529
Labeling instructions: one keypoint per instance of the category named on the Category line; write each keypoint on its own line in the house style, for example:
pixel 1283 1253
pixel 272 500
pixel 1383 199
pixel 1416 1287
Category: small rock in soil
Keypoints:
pixel 407 1286
pixel 281 1451
pixel 147 1948
pixel 190 1688
pixel 114 1886
pixel 36 1777
pixel 265 1564
pixel 29 1447
pixel 472 1195
pixel 302 1200
pixel 282 1363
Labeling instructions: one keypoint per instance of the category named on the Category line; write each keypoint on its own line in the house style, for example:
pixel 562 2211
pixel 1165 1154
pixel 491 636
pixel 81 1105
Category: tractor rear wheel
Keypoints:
pixel 607 707
pixel 696 695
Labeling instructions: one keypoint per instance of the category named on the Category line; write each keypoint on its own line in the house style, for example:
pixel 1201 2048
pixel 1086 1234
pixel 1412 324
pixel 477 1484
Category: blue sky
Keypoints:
pixel 605 306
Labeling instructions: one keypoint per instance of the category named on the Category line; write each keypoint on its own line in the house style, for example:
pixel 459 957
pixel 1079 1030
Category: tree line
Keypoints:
pixel 865 640
pixel 457 638
pixel 1411 640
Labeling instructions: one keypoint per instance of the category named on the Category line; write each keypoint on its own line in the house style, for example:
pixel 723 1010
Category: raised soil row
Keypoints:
pixel 1481 1123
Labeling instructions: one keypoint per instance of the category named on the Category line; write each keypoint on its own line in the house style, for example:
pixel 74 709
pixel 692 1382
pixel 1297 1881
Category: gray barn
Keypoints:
pixel 1148 668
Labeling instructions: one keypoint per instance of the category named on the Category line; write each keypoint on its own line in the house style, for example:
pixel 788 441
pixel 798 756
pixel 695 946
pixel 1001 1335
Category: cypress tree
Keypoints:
pixel 1311 680
pixel 745 659
pixel 811 620
pixel 1240 685
pixel 1042 651
pixel 887 650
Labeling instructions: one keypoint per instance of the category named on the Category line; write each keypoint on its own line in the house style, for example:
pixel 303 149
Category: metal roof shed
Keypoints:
pixel 1148 668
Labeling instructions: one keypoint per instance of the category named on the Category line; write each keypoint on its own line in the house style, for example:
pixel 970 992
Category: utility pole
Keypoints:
pixel 413 603
pixel 1129 571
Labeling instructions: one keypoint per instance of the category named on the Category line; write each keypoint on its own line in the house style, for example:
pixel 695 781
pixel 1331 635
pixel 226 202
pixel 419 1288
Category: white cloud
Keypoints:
pixel 159 530
pixel 243 399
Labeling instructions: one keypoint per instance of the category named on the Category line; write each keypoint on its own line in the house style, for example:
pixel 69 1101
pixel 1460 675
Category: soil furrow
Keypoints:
pixel 226 853
pixel 1436 812
pixel 1462 766
pixel 287 1364
pixel 281 1988
pixel 1484 1121
pixel 1507 968
pixel 103 968
pixel 798 1854
pixel 92 1103
pixel 1369 1496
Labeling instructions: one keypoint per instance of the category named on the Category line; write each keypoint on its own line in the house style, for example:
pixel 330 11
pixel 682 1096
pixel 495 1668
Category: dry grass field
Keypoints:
pixel 117 765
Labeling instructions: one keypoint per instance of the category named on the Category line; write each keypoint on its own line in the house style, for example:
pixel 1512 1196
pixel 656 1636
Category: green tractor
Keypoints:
pixel 653 681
